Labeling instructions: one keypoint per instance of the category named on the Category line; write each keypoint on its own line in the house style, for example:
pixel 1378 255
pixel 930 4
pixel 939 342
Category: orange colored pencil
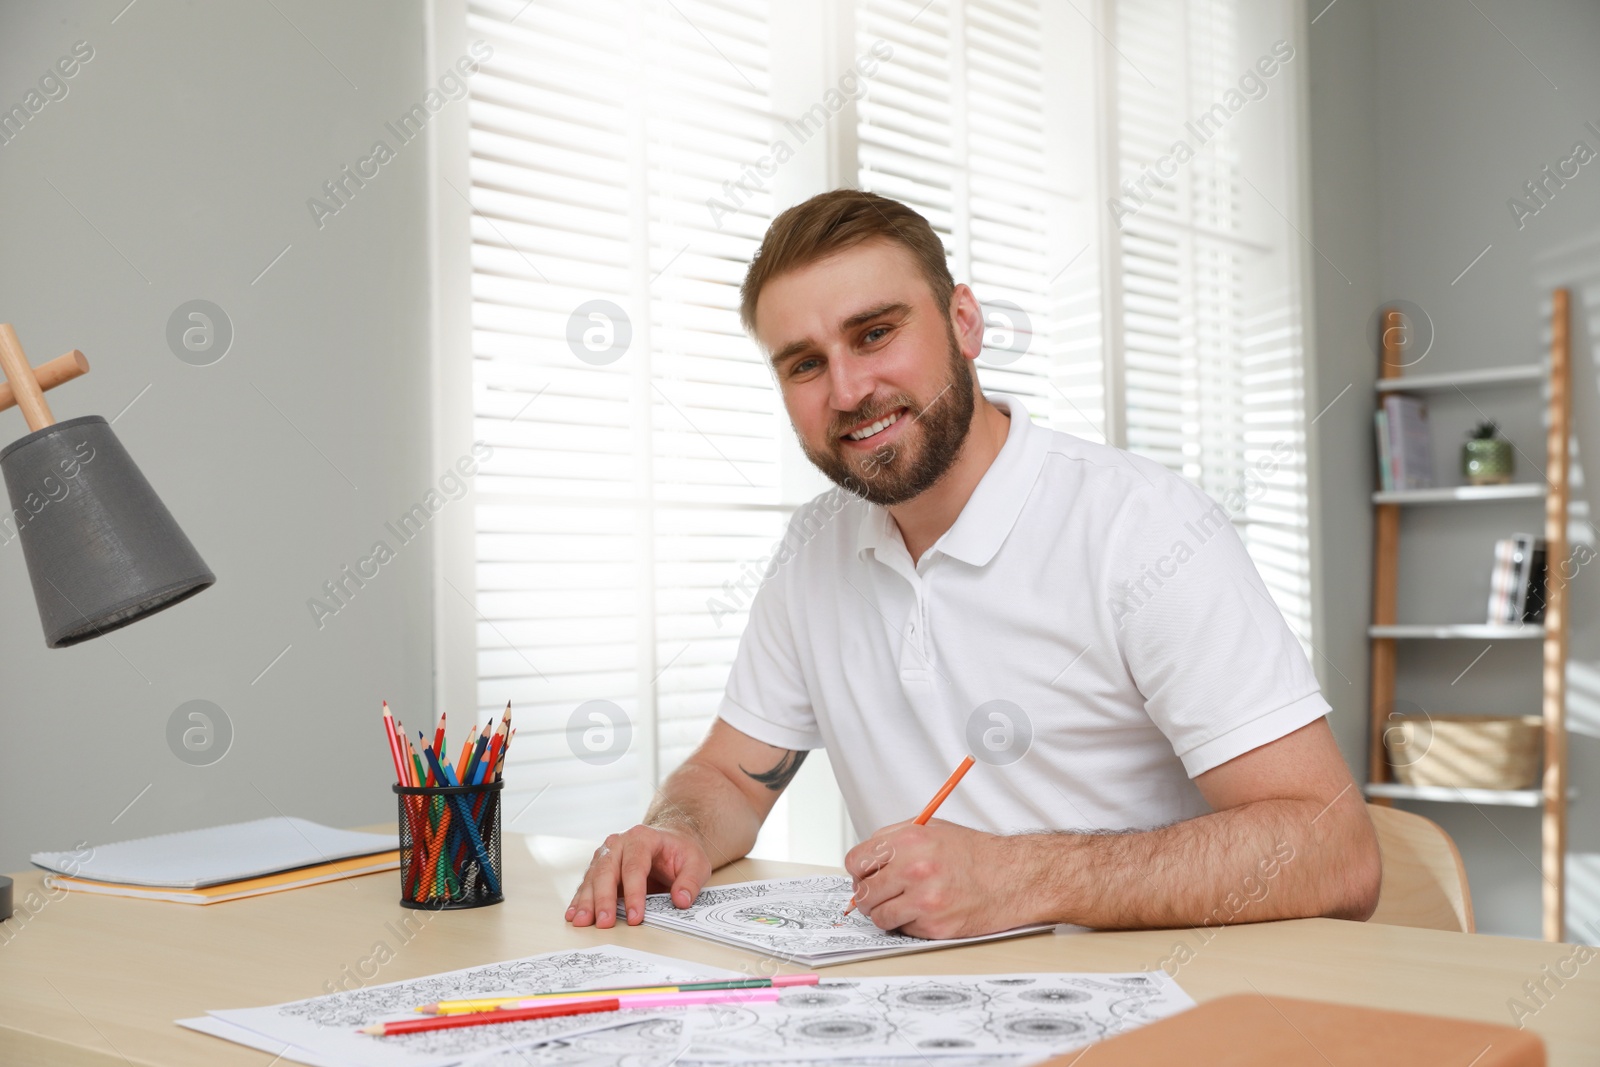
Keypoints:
pixel 944 791
pixel 466 751
pixel 933 805
pixel 419 775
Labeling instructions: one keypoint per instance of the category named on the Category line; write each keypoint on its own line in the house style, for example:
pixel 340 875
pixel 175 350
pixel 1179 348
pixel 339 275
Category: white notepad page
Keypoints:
pixel 196 858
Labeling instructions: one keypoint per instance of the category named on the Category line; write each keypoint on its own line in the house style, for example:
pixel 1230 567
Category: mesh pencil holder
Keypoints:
pixel 450 846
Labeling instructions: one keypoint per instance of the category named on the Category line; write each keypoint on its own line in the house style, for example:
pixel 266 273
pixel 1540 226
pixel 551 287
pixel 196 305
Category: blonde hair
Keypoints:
pixel 832 222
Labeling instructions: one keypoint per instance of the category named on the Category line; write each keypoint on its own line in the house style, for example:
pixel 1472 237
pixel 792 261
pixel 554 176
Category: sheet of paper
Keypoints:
pixel 327 1026
pixel 1034 1015
pixel 651 1043
pixel 205 1024
pixel 655 1043
pixel 796 919
pixel 647 1044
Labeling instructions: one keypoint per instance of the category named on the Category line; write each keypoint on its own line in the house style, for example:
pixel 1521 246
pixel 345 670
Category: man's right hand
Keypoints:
pixel 714 802
pixel 631 864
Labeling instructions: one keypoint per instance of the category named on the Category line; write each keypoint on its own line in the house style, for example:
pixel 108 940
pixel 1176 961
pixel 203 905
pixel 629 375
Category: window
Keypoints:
pixel 634 428
pixel 1211 352
pixel 623 170
pixel 969 124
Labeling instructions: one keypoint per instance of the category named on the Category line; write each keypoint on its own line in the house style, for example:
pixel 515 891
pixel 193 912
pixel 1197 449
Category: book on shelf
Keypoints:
pixel 1403 432
pixel 1385 461
pixel 1517 580
pixel 1502 582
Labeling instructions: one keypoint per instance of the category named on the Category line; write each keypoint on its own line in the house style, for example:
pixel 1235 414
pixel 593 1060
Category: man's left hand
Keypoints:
pixel 936 881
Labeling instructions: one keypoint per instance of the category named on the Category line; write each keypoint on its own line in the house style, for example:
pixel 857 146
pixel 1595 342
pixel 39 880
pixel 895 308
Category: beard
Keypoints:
pixel 925 450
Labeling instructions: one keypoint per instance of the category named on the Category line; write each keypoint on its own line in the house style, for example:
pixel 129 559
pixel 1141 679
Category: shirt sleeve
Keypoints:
pixel 1219 668
pixel 766 696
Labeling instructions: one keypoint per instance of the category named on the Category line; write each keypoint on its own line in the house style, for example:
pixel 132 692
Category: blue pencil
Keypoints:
pixel 476 763
pixel 464 813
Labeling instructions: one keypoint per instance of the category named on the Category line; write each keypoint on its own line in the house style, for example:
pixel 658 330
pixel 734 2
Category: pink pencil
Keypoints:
pixel 663 1000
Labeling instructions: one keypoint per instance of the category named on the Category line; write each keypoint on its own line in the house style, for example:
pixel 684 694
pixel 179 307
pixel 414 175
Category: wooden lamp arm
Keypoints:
pixel 24 385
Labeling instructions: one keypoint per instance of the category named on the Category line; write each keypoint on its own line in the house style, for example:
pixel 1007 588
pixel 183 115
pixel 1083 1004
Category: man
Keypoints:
pixel 1086 623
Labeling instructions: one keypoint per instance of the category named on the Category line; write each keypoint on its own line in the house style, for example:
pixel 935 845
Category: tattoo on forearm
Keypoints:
pixel 782 772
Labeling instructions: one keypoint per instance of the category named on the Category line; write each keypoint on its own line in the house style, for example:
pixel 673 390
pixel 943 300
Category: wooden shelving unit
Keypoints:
pixel 1386 630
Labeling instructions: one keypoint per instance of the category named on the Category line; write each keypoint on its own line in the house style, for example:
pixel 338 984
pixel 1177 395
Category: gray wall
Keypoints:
pixel 1425 120
pixel 177 167
pixel 1344 183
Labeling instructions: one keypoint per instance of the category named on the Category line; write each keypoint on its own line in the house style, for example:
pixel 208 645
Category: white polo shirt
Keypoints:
pixel 1091 628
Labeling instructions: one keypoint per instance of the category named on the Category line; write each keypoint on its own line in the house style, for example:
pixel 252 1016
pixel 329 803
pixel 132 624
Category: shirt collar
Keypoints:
pixel 990 513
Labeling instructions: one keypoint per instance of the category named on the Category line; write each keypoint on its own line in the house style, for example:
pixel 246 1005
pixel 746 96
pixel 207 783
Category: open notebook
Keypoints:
pixel 797 919
pixel 194 859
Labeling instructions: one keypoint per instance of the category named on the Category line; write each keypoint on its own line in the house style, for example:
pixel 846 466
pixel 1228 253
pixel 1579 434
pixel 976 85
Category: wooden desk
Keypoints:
pixel 91 980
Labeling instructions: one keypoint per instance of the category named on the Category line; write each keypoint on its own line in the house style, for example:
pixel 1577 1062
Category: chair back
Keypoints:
pixel 1424 883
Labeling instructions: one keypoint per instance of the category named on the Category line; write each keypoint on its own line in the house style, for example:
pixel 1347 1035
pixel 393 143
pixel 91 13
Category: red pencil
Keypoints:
pixel 438 735
pixel 500 770
pixel 394 744
pixel 484 1018
pixel 402 773
pixel 490 757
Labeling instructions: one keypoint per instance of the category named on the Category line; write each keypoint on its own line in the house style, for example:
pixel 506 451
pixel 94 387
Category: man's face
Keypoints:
pixel 872 374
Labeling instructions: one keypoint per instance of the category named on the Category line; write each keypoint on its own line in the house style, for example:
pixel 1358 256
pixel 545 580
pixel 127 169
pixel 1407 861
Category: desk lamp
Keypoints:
pixel 102 550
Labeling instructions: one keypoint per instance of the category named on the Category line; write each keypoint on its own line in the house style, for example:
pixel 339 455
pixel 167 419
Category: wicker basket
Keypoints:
pixel 1465 751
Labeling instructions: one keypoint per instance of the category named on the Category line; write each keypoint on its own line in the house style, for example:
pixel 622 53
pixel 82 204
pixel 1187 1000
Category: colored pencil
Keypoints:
pixel 419 772
pixel 575 1006
pixel 438 735
pixel 453 1007
pixel 485 770
pixel 480 1018
pixel 401 778
pixel 478 749
pixel 394 744
pixel 670 999
pixel 933 805
pixel 466 752
pixel 487 767
pixel 512 736
pixel 944 791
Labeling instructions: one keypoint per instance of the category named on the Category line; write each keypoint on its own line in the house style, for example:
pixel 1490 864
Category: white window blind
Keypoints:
pixel 1212 365
pixel 621 495
pixel 962 126
pixel 630 504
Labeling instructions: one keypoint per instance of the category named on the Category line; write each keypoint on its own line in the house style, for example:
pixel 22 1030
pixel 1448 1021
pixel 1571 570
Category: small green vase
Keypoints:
pixel 1487 461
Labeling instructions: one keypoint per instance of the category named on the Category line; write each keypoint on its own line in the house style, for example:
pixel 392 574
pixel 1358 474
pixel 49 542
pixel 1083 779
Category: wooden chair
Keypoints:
pixel 1424 883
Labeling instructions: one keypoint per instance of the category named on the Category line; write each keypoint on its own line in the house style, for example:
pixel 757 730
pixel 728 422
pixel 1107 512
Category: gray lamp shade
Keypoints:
pixel 102 550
